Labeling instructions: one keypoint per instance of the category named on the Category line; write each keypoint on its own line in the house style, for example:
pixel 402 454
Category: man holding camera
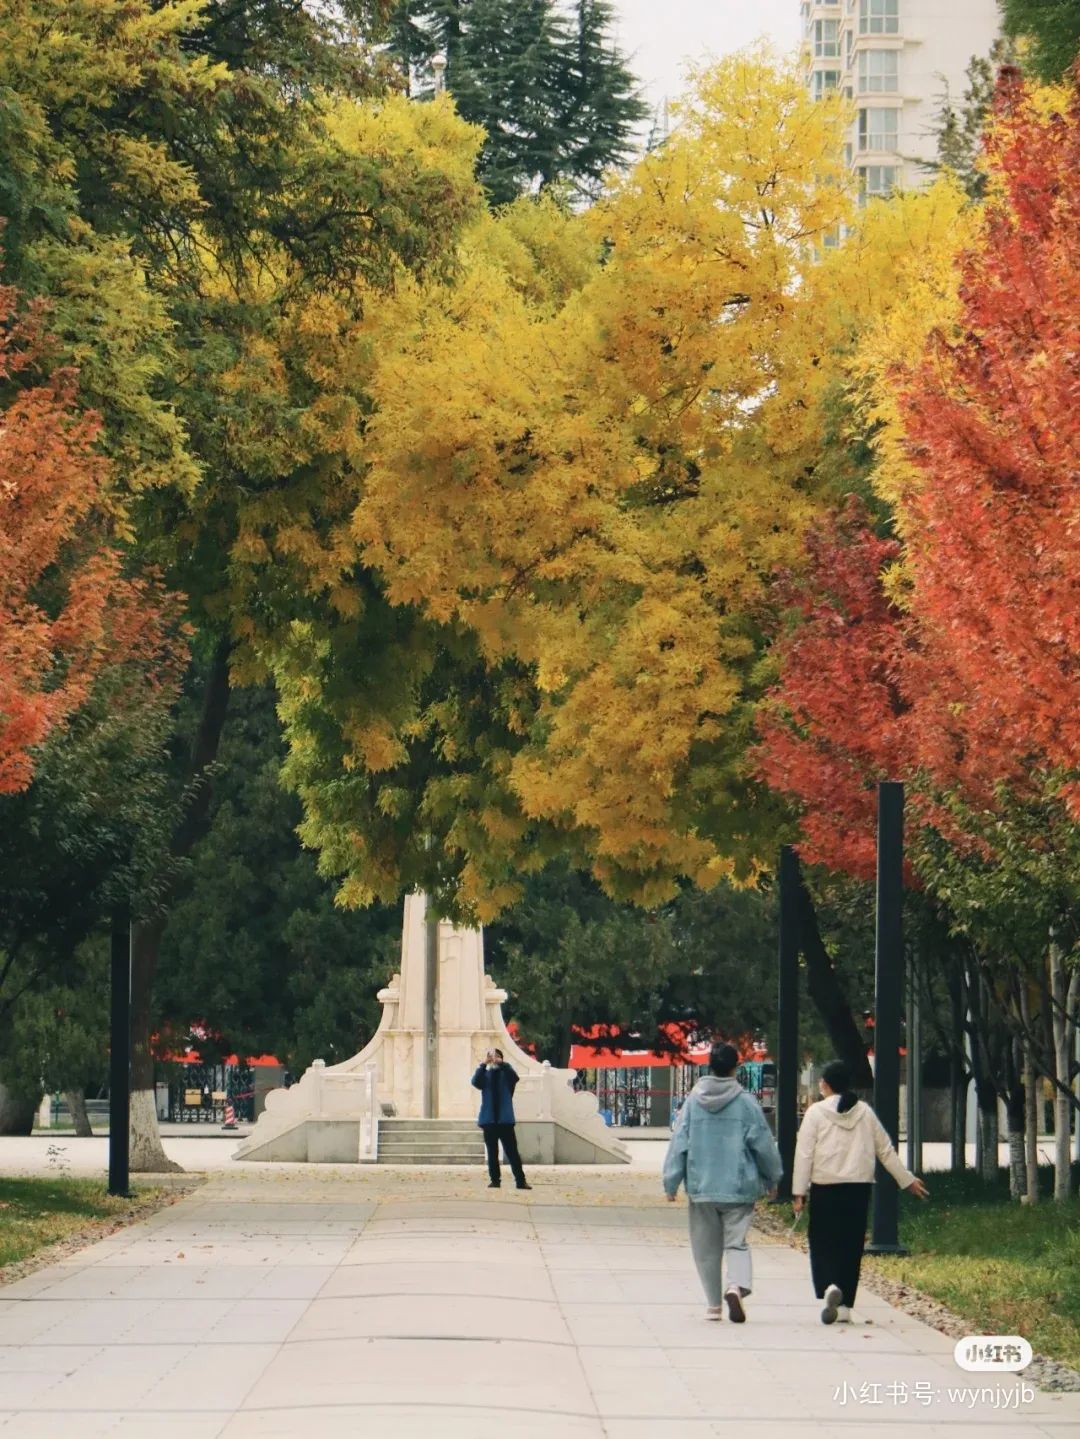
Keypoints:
pixel 496 1082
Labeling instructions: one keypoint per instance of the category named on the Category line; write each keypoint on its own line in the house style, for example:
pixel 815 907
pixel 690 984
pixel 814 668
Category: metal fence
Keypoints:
pixel 198 1095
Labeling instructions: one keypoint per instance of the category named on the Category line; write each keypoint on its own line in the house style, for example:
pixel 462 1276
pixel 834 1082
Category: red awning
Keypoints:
pixel 613 1055
pixel 256 1061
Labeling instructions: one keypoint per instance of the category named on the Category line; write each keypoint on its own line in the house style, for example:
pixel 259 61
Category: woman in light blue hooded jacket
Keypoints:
pixel 724 1153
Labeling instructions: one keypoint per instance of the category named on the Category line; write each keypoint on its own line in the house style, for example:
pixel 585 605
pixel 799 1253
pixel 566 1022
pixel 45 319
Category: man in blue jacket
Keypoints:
pixel 723 1152
pixel 496 1081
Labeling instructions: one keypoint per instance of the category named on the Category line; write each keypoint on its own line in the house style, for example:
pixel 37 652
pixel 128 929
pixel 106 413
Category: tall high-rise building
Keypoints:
pixel 895 60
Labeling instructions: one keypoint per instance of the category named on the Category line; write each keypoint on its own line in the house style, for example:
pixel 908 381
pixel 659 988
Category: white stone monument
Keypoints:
pixel 332 1115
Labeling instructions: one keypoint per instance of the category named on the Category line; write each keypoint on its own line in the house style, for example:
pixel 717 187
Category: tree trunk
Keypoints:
pixel 988 1076
pixel 564 1042
pixel 823 984
pixel 988 1138
pixel 76 1103
pixel 16 1113
pixel 958 1086
pixel 1015 1110
pixel 1031 1104
pixel 1031 1132
pixel 959 1078
pixel 1064 990
pixel 147 1154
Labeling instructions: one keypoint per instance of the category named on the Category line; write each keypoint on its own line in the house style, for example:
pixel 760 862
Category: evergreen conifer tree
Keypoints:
pixel 545 80
pixel 960 125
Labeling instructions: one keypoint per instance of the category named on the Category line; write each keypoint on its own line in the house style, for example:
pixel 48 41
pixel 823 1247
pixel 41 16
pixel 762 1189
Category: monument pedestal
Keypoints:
pixel 332 1115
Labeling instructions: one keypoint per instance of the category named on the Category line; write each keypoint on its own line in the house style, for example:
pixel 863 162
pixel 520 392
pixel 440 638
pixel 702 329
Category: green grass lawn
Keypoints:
pixel 35 1213
pixel 1008 1268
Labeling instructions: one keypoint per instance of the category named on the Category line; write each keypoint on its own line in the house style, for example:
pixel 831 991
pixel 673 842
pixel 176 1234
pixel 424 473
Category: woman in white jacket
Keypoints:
pixel 839 1140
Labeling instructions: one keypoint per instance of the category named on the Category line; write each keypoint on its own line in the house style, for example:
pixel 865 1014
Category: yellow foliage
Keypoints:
pixel 583 453
pixel 898 273
pixel 394 131
pixel 599 475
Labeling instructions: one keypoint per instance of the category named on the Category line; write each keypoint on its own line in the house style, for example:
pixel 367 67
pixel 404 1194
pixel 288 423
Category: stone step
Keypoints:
pixel 427 1130
pixel 448 1149
pixel 471 1160
pixel 430 1141
pixel 457 1141
pixel 429 1126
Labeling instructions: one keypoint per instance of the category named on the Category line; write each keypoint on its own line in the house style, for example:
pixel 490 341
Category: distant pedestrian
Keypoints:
pixel 496 1081
pixel 839 1139
pixel 723 1152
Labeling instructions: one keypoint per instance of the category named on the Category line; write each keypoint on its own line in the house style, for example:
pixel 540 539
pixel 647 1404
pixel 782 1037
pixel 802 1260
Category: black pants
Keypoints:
pixel 837 1236
pixel 493 1133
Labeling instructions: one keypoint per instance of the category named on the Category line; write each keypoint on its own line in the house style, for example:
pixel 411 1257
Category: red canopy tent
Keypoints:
pixel 594 1053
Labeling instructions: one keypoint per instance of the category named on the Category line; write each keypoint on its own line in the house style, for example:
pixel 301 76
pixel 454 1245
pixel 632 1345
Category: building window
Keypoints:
pixel 827 39
pixel 877 182
pixel 878 129
pixel 878 72
pixel 879 17
pixel 825 82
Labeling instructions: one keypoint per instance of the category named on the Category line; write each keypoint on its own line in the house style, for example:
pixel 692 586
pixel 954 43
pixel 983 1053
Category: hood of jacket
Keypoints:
pixel 847 1120
pixel 715 1094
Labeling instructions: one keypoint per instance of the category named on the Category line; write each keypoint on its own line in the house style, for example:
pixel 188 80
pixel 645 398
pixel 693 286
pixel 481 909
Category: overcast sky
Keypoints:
pixel 660 35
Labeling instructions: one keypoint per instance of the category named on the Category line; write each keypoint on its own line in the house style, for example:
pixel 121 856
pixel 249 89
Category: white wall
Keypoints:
pixel 940 39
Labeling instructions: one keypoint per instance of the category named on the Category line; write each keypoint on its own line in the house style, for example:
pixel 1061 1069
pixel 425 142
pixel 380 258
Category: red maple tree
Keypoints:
pixel 975 683
pixel 66 608
pixel 836 722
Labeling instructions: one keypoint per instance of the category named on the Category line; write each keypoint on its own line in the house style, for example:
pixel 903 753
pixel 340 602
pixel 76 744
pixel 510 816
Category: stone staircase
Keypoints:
pixel 430 1141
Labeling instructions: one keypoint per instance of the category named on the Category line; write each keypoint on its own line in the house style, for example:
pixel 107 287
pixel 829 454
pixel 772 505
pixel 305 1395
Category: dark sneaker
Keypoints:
pixel 834 1301
pixel 494 1184
pixel 524 1185
pixel 736 1312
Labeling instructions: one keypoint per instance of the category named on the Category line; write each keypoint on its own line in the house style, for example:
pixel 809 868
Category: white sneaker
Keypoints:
pixel 843 1315
pixel 834 1302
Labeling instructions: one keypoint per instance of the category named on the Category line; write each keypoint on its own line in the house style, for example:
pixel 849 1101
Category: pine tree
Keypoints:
pixel 1053 29
pixel 960 126
pixel 554 95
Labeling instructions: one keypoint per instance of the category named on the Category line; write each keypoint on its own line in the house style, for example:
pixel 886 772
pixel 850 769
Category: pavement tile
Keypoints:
pixel 289 1302
pixel 411 1422
pixel 508 1375
pixel 103 1424
pixel 439 1316
pixel 448 1276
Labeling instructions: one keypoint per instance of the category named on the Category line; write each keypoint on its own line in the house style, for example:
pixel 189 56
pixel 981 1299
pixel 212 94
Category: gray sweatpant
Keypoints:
pixel 716 1229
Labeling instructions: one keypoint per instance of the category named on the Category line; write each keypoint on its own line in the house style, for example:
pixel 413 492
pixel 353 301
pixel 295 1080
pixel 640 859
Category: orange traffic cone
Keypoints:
pixel 230 1116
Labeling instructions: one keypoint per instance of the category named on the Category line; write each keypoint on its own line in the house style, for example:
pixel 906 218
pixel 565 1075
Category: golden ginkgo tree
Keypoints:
pixel 580 491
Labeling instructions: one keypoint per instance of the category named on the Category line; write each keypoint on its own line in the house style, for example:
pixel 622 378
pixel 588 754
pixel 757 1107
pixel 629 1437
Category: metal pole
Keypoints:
pixel 888 1004
pixel 431 1010
pixel 120 1055
pixel 787 1048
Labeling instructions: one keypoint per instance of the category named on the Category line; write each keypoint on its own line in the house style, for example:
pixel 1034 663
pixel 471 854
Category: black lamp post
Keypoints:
pixel 787 1046
pixel 888 1005
pixel 120 1055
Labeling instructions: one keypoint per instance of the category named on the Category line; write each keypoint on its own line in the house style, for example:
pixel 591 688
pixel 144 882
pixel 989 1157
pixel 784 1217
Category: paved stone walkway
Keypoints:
pixel 397 1303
